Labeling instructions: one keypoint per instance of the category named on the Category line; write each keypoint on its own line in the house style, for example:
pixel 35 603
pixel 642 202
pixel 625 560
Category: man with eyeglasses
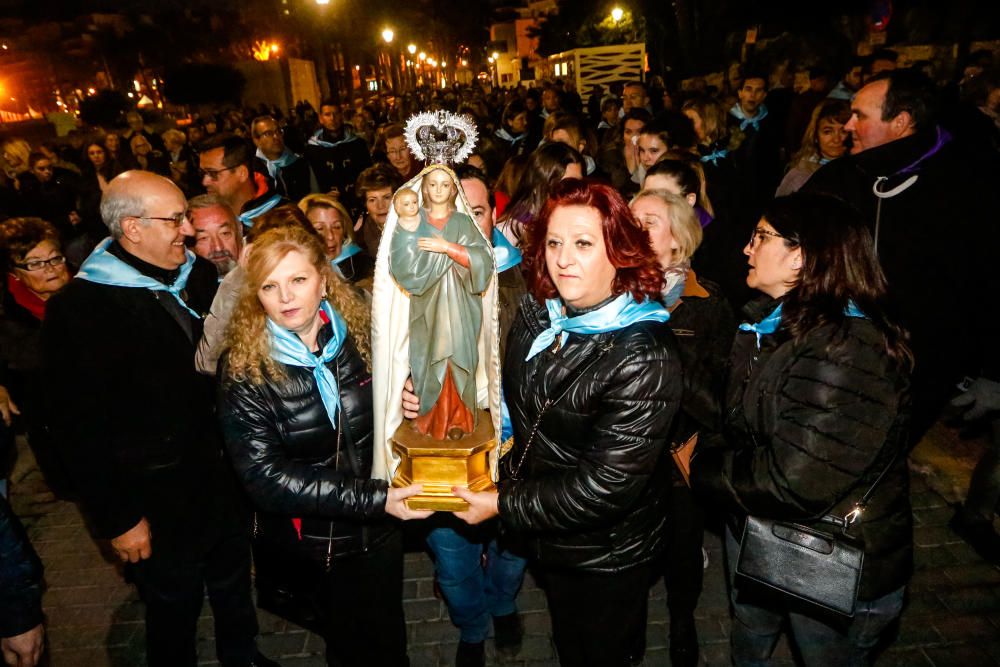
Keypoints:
pixel 293 177
pixel 136 421
pixel 230 171
pixel 337 154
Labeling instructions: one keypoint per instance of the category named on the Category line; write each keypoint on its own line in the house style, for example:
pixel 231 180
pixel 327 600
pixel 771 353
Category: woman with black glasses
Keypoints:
pixel 35 269
pixel 814 414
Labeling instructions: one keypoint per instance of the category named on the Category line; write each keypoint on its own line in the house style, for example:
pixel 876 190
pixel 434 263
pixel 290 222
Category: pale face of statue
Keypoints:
pixel 439 189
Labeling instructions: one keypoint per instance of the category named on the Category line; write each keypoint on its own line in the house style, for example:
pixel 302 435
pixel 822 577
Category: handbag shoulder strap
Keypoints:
pixel 851 517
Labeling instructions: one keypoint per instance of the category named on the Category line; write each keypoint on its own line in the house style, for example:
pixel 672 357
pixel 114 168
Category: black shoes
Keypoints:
pixel 470 655
pixel 259 661
pixel 507 635
pixel 683 642
pixel 979 535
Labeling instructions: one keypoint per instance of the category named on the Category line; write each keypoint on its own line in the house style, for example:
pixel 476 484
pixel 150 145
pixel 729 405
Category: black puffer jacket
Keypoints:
pixel 591 492
pixel 808 428
pixel 285 451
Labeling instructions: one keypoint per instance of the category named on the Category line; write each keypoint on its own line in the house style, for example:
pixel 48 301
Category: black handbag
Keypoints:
pixel 806 565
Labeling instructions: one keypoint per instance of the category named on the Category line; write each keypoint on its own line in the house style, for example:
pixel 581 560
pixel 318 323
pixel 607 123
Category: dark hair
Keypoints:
pixel 684 174
pixel 546 167
pixel 236 151
pixel 674 129
pixel 755 74
pixel 330 102
pixel 376 177
pixel 468 172
pixel 627 243
pixel 839 267
pixel 636 113
pixel 35 157
pixel 910 91
pixel 513 108
pixel 18 236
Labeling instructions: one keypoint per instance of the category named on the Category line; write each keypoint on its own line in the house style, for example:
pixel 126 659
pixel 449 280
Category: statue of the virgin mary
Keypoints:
pixel 434 304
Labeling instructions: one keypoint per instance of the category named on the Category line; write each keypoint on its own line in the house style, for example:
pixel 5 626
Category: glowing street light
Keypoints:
pixel 412 48
pixel 422 56
pixel 496 56
pixel 274 47
pixel 387 35
pixel 616 14
pixel 322 2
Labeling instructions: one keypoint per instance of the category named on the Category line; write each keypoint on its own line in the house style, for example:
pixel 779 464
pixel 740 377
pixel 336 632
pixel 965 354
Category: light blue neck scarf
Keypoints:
pixel 316 141
pixel 772 322
pixel 620 313
pixel 285 159
pixel 745 122
pixel 247 217
pixel 287 348
pixel 715 156
pixel 348 250
pixel 506 254
pixel 104 268
pixel 502 133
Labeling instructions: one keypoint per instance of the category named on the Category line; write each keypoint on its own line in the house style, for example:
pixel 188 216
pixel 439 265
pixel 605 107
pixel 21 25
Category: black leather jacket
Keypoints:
pixel 294 464
pixel 591 492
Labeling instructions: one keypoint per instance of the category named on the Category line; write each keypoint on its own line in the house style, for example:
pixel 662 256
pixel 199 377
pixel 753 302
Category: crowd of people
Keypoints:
pixel 716 304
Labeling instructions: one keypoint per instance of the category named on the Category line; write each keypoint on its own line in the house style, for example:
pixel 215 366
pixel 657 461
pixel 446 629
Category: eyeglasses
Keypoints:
pixel 760 234
pixel 39 264
pixel 213 174
pixel 175 221
pixel 271 134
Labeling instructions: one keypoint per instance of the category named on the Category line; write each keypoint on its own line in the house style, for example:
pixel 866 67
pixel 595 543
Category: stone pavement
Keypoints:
pixel 952 616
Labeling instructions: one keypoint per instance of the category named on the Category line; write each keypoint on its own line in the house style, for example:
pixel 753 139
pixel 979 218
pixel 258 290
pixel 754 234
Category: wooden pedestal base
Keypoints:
pixel 440 465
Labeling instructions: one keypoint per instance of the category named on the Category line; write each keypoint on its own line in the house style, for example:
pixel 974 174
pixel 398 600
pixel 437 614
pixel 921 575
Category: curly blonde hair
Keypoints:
pixel 247 336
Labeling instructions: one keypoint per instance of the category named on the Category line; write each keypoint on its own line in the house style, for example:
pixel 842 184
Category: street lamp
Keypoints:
pixel 412 48
pixel 387 35
pixel 616 14
pixel 322 2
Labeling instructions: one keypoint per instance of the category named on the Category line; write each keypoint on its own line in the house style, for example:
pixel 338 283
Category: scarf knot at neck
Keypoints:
pixel 745 121
pixel 287 348
pixel 772 322
pixel 620 313
pixel 104 268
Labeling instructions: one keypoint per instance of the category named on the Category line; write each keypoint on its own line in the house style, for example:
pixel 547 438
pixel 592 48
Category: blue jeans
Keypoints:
pixel 755 629
pixel 473 593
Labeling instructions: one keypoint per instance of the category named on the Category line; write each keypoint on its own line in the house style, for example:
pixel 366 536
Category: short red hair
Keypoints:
pixel 627 243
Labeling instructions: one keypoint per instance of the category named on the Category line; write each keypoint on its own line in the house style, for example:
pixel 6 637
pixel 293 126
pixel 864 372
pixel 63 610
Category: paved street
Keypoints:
pixel 952 617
